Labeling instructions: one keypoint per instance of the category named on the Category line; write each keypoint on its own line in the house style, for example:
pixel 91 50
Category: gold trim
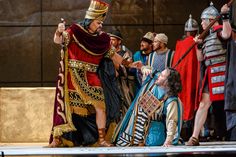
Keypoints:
pixel 84 97
pixel 66 38
pixel 67 104
pixel 85 30
pixel 85 49
pixel 111 52
pixel 80 111
pixel 83 65
pixel 78 75
pixel 60 129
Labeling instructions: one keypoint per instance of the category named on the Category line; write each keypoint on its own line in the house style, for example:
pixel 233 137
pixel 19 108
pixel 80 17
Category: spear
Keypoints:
pixel 201 36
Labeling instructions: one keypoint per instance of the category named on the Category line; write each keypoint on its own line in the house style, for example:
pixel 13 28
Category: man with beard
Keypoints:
pixel 133 130
pixel 141 57
pixel 86 99
pixel 162 56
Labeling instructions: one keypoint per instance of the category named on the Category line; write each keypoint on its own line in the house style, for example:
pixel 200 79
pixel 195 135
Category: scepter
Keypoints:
pixel 201 36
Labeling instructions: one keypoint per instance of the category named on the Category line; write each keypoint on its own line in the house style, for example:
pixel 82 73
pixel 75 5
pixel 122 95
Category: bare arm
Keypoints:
pixel 226 32
pixel 200 56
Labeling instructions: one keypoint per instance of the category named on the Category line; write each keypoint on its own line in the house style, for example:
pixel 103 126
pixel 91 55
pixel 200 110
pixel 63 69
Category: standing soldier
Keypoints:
pixel 188 69
pixel 213 55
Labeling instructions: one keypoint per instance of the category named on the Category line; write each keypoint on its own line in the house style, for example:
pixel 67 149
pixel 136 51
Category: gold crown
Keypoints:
pixel 97 10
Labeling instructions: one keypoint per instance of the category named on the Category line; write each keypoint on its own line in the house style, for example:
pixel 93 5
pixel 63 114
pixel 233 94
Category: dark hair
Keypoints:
pixel 147 40
pixel 85 23
pixel 173 82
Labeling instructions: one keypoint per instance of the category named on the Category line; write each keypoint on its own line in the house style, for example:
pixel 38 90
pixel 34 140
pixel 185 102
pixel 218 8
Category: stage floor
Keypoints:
pixel 33 150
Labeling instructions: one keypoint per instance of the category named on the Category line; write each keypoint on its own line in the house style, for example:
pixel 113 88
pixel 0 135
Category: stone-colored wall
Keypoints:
pixel 26 114
pixel 28 56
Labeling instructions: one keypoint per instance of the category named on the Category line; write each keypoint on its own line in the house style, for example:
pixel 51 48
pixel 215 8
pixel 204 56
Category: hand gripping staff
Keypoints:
pixel 201 36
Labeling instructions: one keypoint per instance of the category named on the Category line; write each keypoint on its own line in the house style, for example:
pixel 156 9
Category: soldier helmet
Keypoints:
pixel 210 12
pixel 191 25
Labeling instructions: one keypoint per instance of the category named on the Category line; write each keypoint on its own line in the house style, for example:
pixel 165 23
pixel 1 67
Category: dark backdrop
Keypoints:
pixel 28 56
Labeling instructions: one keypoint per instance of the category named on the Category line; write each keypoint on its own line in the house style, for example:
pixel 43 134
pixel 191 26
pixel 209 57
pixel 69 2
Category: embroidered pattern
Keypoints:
pixel 149 103
pixel 83 65
pixel 95 93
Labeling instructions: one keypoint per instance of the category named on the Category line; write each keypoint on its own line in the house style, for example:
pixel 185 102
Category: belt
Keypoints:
pixel 83 65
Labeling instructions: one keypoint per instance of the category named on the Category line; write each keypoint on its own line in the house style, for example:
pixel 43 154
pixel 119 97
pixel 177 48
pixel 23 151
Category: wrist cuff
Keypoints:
pixel 225 16
pixel 199 46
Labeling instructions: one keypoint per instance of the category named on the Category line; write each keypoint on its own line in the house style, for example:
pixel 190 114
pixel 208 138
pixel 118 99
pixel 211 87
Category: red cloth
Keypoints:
pixel 98 45
pixel 208 75
pixel 91 49
pixel 189 71
pixel 215 97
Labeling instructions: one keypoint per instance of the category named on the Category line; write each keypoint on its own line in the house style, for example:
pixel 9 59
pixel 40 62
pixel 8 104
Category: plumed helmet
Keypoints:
pixel 97 10
pixel 210 12
pixel 191 25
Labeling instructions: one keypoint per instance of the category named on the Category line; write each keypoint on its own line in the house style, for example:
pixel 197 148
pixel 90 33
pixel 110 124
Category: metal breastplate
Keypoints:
pixel 215 57
pixel 213 50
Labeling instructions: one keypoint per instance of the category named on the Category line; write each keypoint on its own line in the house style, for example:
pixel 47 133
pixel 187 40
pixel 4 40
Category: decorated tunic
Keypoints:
pixel 159 62
pixel 79 89
pixel 132 130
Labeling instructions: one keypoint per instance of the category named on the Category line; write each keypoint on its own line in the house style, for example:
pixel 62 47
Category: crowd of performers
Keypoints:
pixel 108 96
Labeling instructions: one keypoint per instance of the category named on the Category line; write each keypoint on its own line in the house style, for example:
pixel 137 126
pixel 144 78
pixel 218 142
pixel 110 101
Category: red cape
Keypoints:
pixel 189 71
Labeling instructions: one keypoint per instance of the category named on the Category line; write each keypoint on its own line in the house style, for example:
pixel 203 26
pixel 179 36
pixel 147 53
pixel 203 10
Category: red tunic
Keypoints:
pixel 209 76
pixel 188 69
pixel 98 45
pixel 78 84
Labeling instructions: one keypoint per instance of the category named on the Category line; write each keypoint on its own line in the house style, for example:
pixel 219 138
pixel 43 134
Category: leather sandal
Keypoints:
pixel 101 140
pixel 193 141
pixel 55 143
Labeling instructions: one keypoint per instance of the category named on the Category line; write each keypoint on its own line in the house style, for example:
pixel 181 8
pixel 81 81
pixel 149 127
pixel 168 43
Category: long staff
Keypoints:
pixel 201 36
